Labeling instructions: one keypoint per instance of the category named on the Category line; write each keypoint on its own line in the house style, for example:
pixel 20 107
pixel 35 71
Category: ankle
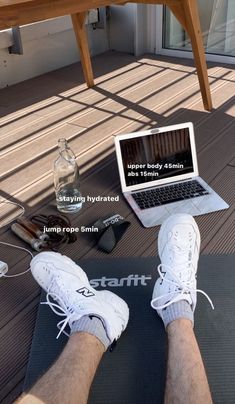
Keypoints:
pixel 180 324
pixel 93 326
pixel 175 311
pixel 79 338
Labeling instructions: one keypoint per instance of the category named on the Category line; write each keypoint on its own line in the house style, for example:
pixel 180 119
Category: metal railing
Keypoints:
pixel 17 47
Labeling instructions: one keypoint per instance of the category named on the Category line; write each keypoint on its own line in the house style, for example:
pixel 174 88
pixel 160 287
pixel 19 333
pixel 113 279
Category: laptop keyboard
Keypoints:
pixel 171 193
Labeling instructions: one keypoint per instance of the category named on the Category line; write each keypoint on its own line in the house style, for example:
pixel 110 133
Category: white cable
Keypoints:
pixel 16 204
pixel 12 245
pixel 19 248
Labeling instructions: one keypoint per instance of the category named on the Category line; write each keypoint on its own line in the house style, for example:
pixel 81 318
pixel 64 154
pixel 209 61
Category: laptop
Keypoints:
pixel 159 174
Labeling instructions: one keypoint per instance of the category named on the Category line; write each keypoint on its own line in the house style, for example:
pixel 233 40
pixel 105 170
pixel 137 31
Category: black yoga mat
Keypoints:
pixel 134 373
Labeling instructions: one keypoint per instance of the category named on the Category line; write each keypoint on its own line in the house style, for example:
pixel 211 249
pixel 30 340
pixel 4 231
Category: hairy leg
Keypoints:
pixel 69 379
pixel 186 378
pixel 96 320
pixel 174 299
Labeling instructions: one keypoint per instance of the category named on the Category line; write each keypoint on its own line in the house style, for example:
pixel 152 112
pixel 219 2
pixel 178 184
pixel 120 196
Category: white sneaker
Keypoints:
pixel 67 284
pixel 178 246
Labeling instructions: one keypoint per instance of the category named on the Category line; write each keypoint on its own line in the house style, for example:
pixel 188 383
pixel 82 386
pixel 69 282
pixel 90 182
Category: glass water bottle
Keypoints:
pixel 66 180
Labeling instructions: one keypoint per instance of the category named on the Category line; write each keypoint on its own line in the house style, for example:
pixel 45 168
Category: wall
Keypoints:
pixel 51 44
pixel 121 25
pixel 47 46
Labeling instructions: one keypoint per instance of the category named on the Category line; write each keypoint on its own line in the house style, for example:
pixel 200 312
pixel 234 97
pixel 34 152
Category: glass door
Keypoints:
pixel 218 28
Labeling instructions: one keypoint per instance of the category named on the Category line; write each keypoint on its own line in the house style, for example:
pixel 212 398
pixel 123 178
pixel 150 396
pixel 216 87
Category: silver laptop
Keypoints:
pixel 159 174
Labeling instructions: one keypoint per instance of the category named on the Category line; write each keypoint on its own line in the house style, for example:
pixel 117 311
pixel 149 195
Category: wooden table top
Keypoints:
pixel 20 12
pixel 81 3
pixel 88 3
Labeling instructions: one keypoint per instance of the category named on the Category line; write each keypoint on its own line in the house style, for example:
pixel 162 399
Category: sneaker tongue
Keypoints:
pixel 180 256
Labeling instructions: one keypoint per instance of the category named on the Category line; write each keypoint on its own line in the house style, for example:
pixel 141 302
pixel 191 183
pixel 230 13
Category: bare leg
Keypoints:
pixel 186 378
pixel 174 299
pixel 96 320
pixel 69 379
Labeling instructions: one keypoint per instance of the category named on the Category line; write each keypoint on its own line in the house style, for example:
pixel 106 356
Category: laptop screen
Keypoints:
pixel 156 156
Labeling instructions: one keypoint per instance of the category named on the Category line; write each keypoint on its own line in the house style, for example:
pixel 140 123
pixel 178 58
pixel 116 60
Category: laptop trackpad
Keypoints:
pixel 183 207
pixel 156 216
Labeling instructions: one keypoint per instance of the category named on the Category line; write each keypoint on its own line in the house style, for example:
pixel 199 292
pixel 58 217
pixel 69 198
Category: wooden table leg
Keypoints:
pixel 78 21
pixel 187 14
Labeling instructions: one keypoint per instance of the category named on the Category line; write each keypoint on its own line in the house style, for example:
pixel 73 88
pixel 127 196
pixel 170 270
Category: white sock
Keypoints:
pixel 92 325
pixel 181 309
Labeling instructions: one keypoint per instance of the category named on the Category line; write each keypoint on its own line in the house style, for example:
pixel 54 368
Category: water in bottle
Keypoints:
pixel 66 180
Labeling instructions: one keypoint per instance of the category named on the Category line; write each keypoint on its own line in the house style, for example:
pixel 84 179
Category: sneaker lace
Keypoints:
pixel 63 307
pixel 181 284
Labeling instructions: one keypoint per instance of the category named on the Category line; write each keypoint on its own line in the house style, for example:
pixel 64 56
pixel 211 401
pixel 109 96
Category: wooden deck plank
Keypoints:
pixel 106 116
pixel 225 240
pixel 66 99
pixel 114 109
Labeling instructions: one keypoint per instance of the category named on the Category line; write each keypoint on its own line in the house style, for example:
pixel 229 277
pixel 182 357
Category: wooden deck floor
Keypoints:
pixel 130 94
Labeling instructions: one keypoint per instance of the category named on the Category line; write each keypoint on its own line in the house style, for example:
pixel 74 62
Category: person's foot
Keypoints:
pixel 67 284
pixel 178 246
